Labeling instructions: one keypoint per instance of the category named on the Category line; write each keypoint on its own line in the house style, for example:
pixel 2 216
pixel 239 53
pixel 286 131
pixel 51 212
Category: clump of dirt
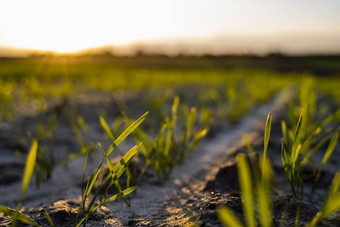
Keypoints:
pixel 63 213
pixel 226 180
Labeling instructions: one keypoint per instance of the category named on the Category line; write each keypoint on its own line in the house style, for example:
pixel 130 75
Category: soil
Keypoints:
pixel 207 179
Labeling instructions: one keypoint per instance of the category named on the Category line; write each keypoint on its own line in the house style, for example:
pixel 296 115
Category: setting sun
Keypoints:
pixel 65 26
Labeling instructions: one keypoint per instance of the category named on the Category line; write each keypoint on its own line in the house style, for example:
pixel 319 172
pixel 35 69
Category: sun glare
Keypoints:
pixel 67 26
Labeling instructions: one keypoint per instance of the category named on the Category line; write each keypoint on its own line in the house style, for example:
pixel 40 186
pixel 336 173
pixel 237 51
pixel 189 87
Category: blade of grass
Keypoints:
pixel 331 204
pixel 227 217
pixel 120 195
pixel 197 138
pixel 94 178
pixel 247 143
pixel 10 212
pixel 190 123
pixel 296 160
pixel 171 126
pixel 298 214
pixel 127 132
pixel 315 149
pixel 82 181
pixel 264 207
pixel 264 195
pixel 78 135
pixel 124 160
pixel 141 136
pixel 29 167
pixel 284 130
pixel 106 128
pixel 49 218
pixel 266 141
pixel 284 157
pixel 28 171
pixel 246 189
pixel 267 134
pixel 296 140
pixel 329 150
pixel 335 186
pixel 326 157
pixel 82 124
pixel 117 170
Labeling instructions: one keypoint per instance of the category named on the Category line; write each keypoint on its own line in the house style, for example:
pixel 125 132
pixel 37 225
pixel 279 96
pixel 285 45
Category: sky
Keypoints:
pixel 255 26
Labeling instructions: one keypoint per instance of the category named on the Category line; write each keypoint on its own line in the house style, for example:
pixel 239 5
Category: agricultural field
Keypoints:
pixel 98 140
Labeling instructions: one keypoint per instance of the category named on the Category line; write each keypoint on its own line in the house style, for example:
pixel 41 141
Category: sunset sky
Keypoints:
pixel 299 26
